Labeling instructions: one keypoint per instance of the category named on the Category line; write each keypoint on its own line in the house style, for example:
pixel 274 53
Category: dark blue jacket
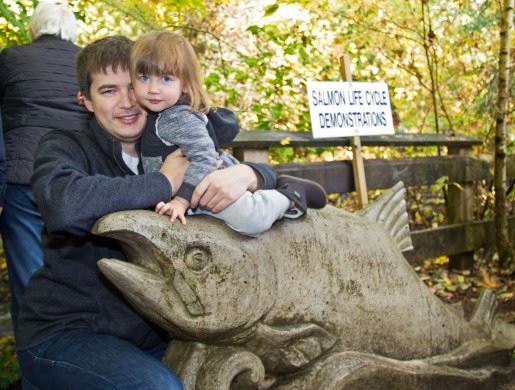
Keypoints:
pixel 38 89
pixel 79 177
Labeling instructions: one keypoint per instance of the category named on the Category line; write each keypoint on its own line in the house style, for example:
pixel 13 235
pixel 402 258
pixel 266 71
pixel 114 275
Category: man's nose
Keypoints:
pixel 127 99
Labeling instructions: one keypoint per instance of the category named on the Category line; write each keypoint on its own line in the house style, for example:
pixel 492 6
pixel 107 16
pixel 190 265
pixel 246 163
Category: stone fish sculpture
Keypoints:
pixel 328 302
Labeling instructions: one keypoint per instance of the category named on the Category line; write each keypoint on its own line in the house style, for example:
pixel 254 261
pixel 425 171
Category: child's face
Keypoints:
pixel 157 93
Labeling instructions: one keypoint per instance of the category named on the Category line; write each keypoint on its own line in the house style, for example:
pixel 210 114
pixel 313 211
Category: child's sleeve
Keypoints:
pixel 186 129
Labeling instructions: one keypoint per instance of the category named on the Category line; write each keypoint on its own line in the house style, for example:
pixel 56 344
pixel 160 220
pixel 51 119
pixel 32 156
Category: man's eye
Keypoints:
pixel 107 91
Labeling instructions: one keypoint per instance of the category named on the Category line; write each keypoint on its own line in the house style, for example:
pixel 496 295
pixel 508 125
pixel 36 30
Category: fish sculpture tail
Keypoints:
pixel 389 210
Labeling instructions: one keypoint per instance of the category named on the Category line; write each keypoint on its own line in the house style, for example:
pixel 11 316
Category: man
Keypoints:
pixel 37 94
pixel 74 329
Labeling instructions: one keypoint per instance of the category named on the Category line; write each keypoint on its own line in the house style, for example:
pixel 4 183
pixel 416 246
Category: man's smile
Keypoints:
pixel 129 118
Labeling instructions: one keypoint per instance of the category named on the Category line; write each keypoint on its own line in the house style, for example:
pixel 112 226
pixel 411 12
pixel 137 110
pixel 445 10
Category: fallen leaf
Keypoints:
pixel 285 141
pixel 441 260
pixel 487 280
pixel 506 295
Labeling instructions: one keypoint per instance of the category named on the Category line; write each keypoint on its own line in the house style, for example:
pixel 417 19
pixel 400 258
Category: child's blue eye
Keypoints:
pixel 168 79
pixel 143 77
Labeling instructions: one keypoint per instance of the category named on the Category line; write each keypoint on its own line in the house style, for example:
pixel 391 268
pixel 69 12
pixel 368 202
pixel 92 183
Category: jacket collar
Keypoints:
pixel 109 144
pixel 112 146
pixel 48 37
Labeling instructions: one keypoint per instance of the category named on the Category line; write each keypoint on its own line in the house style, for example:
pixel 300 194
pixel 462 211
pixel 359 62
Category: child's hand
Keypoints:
pixel 176 208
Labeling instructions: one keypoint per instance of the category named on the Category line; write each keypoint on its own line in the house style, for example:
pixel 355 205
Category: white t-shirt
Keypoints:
pixel 132 162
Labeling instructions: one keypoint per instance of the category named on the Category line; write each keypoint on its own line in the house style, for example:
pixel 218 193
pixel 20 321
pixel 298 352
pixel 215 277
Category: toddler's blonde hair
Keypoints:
pixel 164 52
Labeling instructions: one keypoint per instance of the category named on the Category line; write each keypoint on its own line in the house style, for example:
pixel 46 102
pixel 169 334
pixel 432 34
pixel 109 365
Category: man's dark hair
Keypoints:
pixel 110 52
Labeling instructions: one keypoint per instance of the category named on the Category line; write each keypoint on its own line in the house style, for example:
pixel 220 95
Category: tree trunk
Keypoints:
pixel 504 248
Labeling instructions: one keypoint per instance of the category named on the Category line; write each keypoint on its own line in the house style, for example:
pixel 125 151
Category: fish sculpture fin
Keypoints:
pixel 485 309
pixel 389 210
pixel 286 348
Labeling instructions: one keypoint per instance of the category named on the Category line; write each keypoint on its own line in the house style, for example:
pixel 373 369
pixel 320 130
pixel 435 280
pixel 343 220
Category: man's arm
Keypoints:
pixel 267 176
pixel 221 188
pixel 72 195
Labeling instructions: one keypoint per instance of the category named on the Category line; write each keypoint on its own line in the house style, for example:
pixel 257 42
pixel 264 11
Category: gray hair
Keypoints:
pixel 53 18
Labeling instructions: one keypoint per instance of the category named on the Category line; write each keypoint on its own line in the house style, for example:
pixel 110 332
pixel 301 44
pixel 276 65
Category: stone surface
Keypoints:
pixel 327 301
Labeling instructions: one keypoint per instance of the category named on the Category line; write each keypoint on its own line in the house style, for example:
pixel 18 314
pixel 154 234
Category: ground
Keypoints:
pixel 465 286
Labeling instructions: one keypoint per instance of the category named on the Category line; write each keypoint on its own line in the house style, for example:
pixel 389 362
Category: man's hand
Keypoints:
pixel 174 168
pixel 176 208
pixel 222 187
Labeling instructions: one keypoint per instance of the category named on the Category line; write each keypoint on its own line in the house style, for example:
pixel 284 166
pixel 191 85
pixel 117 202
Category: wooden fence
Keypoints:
pixel 458 240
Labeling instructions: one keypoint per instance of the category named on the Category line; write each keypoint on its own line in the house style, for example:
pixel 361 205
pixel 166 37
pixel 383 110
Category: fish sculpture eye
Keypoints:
pixel 197 258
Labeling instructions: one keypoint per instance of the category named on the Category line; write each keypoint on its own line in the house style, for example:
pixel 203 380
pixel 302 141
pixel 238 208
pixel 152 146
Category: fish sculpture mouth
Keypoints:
pixel 146 272
pixel 120 271
pixel 181 278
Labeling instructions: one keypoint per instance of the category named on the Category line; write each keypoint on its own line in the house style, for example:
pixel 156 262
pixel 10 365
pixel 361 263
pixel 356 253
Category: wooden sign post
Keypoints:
pixel 350 109
pixel 357 159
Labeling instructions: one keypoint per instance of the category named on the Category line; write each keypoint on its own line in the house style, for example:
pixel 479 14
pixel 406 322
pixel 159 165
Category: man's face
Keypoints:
pixel 115 108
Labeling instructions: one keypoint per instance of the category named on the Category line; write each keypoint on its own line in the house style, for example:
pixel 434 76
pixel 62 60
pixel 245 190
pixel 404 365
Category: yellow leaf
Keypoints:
pixel 487 280
pixel 327 156
pixel 285 141
pixel 506 295
pixel 441 260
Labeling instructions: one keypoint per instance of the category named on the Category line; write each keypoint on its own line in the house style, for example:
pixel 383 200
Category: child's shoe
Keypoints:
pixel 303 193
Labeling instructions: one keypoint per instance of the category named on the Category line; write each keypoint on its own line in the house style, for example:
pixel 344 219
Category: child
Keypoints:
pixel 166 79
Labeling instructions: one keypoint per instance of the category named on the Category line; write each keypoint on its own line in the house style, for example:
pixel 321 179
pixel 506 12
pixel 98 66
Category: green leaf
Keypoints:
pixel 250 61
pixel 270 9
pixel 212 79
pixel 254 29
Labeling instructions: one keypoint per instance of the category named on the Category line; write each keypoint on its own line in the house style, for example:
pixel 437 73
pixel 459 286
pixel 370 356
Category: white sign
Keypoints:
pixel 345 109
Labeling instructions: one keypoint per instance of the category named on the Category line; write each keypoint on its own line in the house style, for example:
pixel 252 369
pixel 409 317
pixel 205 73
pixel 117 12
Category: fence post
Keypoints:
pixel 251 155
pixel 460 209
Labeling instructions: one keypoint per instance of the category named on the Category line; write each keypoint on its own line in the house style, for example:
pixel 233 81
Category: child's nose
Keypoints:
pixel 153 86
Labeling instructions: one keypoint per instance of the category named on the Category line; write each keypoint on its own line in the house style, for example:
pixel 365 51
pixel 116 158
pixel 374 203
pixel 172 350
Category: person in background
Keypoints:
pixel 38 88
